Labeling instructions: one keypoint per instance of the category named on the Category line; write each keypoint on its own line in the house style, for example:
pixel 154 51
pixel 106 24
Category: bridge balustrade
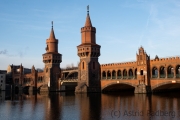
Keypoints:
pixel 130 77
pixel 154 76
pixel 170 76
pixel 125 77
pixel 162 76
pixel 119 77
pixel 177 75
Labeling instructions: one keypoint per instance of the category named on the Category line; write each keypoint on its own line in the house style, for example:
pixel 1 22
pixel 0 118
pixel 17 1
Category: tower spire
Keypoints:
pixel 52 35
pixel 88 9
pixel 88 20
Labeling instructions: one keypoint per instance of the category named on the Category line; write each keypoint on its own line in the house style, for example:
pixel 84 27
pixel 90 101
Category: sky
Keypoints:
pixel 122 26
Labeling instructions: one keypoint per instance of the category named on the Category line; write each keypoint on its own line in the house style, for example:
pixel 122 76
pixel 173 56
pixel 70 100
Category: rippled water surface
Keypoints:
pixel 70 106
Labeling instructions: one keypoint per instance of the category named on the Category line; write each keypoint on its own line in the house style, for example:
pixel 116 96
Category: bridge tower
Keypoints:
pixel 143 72
pixel 52 60
pixel 89 67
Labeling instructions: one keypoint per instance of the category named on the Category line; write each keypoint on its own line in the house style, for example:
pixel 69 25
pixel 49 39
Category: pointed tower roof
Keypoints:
pixel 88 20
pixel 52 35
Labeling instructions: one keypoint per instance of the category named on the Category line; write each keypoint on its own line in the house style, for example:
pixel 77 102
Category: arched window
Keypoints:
pixel 119 74
pixel 130 73
pixel 124 74
pixel 162 72
pixel 108 75
pixel 170 72
pixel 154 72
pixel 113 74
pixel 103 75
pixel 178 71
pixel 83 67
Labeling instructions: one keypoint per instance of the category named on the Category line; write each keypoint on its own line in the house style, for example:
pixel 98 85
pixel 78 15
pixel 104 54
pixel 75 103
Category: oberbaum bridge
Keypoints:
pixel 144 75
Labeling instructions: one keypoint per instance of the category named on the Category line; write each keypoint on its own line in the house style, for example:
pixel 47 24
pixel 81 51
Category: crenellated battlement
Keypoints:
pixel 118 64
pixel 88 29
pixel 168 59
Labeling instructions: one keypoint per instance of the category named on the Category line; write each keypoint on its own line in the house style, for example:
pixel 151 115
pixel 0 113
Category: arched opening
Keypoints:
pixel 167 87
pixel 154 72
pixel 119 74
pixel 83 65
pixel 170 72
pixel 113 74
pixel 108 75
pixel 124 74
pixel 103 75
pixel 130 74
pixel 135 72
pixel 162 72
pixel 178 71
pixel 119 88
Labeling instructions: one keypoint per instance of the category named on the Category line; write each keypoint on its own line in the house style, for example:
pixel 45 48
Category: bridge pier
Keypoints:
pixel 32 88
pixel 142 88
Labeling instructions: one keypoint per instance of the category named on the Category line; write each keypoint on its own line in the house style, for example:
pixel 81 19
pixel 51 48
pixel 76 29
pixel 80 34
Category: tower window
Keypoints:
pixel 83 65
pixel 93 65
pixel 141 72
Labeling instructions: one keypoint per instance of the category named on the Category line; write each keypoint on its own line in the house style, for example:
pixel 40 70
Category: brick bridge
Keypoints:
pixel 112 80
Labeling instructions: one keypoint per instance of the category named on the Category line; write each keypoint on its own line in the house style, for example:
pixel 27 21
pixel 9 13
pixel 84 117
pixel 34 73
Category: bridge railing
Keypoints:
pixel 170 75
pixel 154 76
pixel 177 75
pixel 162 76
pixel 119 77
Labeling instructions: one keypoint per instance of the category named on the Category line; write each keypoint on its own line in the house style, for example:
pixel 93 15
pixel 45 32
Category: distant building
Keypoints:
pixel 2 80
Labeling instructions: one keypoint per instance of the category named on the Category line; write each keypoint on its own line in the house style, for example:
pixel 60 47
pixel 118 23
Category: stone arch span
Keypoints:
pixel 118 86
pixel 169 85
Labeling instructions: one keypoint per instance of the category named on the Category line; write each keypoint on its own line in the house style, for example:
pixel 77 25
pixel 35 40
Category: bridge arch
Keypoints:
pixel 114 86
pixel 165 86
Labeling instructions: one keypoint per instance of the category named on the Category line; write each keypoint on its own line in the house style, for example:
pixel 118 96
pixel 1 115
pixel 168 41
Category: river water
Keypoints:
pixel 70 106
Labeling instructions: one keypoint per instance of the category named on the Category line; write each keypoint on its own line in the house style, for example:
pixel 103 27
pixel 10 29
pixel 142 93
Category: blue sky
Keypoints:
pixel 122 26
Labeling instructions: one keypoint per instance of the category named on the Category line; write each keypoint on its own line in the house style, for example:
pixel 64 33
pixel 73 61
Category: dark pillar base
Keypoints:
pixel 86 89
pixel 32 89
pixel 142 89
